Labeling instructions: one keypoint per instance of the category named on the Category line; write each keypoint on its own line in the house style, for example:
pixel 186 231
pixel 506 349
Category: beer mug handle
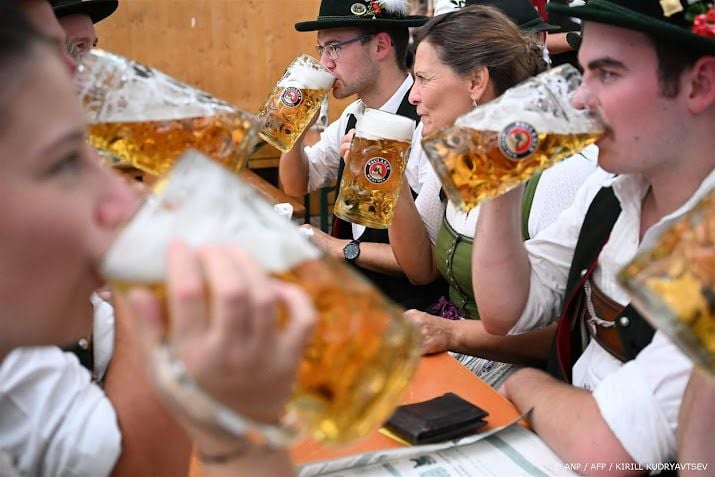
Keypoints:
pixel 175 382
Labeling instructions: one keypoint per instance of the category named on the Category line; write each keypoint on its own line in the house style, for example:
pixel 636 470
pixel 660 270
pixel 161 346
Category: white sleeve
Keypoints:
pixel 550 255
pixel 53 419
pixel 640 401
pixel 556 190
pixel 324 155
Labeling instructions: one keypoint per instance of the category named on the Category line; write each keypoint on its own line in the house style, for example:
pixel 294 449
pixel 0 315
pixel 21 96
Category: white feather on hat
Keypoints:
pixel 396 7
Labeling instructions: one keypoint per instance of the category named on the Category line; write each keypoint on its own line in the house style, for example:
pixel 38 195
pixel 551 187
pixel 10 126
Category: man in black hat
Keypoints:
pixel 39 12
pixel 616 385
pixel 77 18
pixel 364 44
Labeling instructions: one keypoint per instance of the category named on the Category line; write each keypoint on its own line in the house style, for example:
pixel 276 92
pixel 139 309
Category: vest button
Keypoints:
pixel 624 321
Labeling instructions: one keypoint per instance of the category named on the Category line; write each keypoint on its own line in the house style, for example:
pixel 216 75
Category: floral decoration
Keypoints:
pixel 703 17
pixel 375 8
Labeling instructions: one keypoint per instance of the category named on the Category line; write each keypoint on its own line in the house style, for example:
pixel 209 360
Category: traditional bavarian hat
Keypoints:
pixel 347 13
pixel 97 10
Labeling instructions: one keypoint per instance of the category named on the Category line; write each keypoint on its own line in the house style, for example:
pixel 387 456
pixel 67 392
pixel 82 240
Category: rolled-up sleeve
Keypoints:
pixel 53 419
pixel 550 256
pixel 640 401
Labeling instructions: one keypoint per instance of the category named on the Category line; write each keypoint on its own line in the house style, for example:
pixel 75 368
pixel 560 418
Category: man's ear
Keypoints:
pixel 478 84
pixel 700 81
pixel 383 43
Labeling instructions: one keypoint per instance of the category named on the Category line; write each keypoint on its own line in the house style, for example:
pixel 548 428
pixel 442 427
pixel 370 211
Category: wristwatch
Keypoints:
pixel 352 251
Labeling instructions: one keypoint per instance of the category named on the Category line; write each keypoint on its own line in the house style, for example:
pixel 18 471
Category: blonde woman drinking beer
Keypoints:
pixel 60 211
pixel 467 58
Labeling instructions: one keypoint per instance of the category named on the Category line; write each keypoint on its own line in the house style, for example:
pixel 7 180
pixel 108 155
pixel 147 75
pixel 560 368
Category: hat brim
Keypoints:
pixel 539 25
pixel 97 10
pixel 601 11
pixel 338 22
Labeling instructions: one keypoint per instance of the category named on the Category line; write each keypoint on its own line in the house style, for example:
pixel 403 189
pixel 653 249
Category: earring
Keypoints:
pixel 474 103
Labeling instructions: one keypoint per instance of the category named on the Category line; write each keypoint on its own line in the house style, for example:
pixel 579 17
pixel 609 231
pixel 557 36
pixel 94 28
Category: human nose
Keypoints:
pixel 582 98
pixel 326 61
pixel 414 97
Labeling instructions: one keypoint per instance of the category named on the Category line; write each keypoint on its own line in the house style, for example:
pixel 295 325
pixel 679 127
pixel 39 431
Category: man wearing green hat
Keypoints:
pixel 616 385
pixel 364 44
pixel 77 18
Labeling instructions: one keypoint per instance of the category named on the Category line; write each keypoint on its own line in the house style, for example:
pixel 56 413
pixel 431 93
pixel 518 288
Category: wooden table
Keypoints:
pixel 271 193
pixel 436 375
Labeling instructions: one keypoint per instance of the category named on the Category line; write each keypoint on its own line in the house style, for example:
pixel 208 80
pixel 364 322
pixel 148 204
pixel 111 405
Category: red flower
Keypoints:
pixel 704 24
pixel 375 7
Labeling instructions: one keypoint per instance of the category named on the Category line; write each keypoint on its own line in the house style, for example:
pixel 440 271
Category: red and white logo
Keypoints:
pixel 518 140
pixel 378 170
pixel 291 97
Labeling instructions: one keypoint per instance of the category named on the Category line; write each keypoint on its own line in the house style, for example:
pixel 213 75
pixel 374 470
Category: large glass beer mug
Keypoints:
pixel 142 117
pixel 363 352
pixel 374 169
pixel 294 101
pixel 672 282
pixel 499 145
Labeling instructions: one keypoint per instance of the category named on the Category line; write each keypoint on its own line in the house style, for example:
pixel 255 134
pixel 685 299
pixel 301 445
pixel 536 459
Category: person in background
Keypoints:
pixel 77 18
pixel 365 49
pixel 63 210
pixel 650 75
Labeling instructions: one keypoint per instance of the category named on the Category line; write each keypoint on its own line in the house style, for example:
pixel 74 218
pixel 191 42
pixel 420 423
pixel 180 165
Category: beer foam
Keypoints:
pixel 306 76
pixel 203 203
pixel 115 89
pixel 376 124
pixel 543 101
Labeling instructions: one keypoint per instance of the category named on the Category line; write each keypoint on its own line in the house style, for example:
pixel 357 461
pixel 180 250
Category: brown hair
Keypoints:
pixel 400 38
pixel 482 36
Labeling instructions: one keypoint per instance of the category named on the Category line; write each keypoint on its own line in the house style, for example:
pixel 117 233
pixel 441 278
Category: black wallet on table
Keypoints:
pixel 439 419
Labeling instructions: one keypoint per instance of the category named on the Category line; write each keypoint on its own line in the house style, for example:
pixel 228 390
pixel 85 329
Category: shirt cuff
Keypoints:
pixel 633 414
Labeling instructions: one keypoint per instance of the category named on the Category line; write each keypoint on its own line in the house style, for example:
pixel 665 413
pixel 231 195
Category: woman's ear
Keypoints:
pixel 478 84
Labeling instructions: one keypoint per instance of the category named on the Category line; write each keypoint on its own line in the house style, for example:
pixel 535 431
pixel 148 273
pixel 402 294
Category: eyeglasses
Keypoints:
pixel 332 49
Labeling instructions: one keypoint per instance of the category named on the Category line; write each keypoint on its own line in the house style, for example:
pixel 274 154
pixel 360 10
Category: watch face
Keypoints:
pixel 351 251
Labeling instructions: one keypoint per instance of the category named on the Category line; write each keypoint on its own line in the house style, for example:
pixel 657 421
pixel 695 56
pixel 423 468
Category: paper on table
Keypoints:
pixel 507 450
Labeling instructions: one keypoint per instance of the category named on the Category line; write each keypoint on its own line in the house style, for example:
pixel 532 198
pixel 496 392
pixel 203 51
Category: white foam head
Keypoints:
pixel 376 124
pixel 115 89
pixel 543 101
pixel 203 203
pixel 307 73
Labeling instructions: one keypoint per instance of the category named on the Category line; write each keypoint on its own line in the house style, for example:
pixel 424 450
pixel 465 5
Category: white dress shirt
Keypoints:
pixel 53 420
pixel 640 399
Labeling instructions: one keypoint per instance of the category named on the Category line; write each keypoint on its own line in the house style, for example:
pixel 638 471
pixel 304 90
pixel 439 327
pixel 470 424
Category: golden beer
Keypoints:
pixel 673 283
pixel 141 117
pixel 498 145
pixel 363 352
pixel 294 101
pixel 374 169
pixel 153 146
pixel 475 168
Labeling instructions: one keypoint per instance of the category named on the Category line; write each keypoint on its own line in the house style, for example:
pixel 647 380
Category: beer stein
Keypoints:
pixel 374 169
pixel 363 352
pixel 499 145
pixel 294 101
pixel 142 117
pixel 672 282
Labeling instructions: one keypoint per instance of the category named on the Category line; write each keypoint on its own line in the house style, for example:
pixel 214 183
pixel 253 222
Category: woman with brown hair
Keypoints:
pixel 466 58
